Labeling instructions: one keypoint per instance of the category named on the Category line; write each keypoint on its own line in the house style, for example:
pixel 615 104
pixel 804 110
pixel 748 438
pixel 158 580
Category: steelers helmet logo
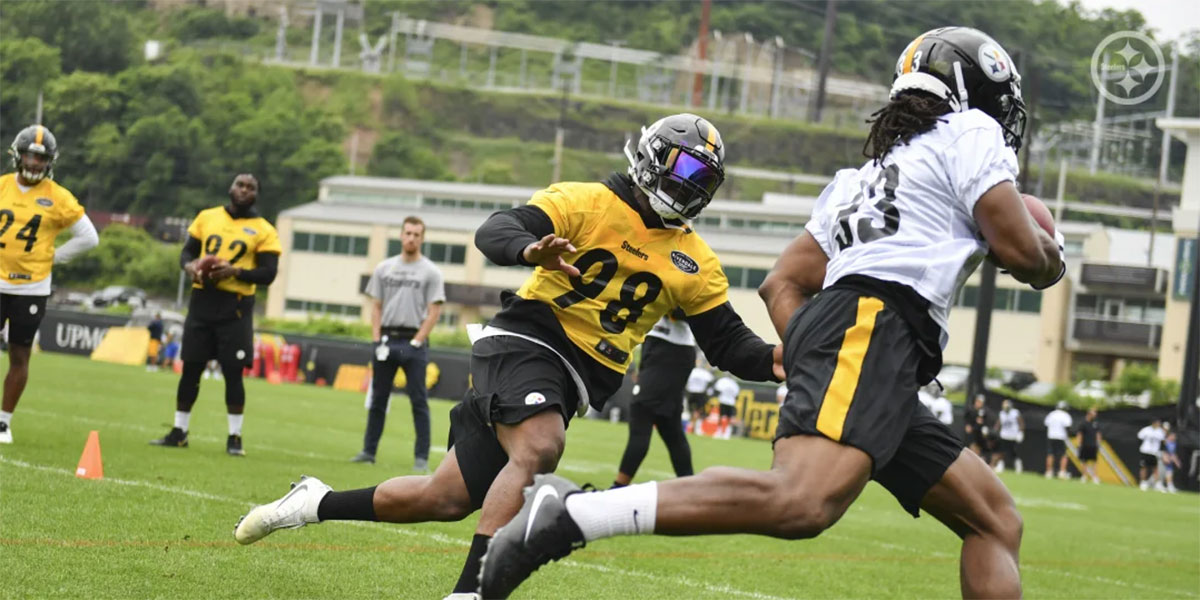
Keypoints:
pixel 995 62
pixel 241 354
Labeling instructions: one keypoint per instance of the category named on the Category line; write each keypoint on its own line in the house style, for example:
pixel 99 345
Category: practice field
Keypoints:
pixel 161 522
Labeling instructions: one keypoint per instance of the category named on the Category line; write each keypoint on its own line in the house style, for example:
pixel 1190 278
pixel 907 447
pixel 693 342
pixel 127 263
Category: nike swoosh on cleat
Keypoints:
pixel 542 493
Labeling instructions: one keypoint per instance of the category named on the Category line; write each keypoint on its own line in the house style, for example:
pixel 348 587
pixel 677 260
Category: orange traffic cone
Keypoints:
pixel 90 465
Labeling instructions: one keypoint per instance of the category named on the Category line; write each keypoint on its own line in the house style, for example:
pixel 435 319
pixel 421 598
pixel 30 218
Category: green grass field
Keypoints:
pixel 160 524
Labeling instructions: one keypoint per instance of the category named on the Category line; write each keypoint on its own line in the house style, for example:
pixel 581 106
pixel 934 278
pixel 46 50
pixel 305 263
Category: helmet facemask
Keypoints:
pixel 678 181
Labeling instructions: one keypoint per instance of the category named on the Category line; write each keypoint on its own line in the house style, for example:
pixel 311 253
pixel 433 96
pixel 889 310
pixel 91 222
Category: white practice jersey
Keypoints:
pixel 727 391
pixel 1010 424
pixel 1057 423
pixel 1152 439
pixel 910 219
pixel 675 332
pixel 942 409
pixel 698 381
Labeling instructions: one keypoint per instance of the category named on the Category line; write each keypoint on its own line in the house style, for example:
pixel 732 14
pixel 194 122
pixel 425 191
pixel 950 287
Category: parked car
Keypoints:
pixel 1092 388
pixel 118 294
pixel 953 378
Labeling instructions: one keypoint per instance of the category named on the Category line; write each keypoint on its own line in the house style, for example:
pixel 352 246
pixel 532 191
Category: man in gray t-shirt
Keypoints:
pixel 408 291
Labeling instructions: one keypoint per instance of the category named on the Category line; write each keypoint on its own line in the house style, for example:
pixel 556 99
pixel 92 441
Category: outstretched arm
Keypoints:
pixel 730 345
pixel 798 274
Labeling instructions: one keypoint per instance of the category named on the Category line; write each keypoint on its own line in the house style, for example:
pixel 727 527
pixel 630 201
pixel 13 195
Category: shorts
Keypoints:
pixel 852 375
pixel 230 342
pixel 1057 448
pixel 23 315
pixel 1008 447
pixel 696 401
pixel 512 379
pixel 1149 461
pixel 662 375
pixel 728 410
pixel 1087 453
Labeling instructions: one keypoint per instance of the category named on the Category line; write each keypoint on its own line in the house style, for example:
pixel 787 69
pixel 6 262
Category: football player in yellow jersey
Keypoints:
pixel 610 259
pixel 33 210
pixel 219 322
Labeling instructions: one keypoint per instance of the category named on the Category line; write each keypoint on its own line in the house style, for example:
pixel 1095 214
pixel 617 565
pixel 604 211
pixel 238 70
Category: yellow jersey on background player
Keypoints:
pixel 630 275
pixel 237 240
pixel 29 222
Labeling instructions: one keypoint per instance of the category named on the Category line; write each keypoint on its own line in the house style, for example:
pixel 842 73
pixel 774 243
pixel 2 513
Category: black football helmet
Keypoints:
pixel 38 140
pixel 968 68
pixel 679 162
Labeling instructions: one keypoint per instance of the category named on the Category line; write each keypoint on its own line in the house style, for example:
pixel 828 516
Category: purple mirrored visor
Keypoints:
pixel 689 168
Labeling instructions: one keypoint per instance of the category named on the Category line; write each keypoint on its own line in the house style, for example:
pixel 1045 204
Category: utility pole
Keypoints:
pixel 1164 157
pixel 559 134
pixel 817 100
pixel 987 273
pixel 315 52
pixel 1188 391
pixel 1098 126
pixel 702 44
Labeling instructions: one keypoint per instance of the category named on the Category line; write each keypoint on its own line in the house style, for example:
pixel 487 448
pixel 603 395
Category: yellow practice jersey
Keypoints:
pixel 630 274
pixel 238 241
pixel 29 222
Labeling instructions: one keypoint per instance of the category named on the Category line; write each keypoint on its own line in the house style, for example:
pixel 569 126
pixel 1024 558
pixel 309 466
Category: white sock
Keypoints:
pixel 625 511
pixel 181 420
pixel 5 417
pixel 235 424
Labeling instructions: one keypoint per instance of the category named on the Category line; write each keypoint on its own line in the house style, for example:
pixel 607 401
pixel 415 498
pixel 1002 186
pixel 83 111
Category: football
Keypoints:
pixel 1040 213
pixel 208 263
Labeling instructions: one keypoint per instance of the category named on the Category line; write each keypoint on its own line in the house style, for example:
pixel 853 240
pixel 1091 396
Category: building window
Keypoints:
pixel 320 242
pixel 454 254
pixel 969 297
pixel 755 277
pixel 324 308
pixel 301 241
pixel 330 244
pixel 448 319
pixel 395 247
pixel 1004 299
pixel 735 275
pixel 1029 301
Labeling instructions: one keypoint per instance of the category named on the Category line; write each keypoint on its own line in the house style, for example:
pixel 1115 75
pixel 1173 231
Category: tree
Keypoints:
pixel 396 155
pixel 27 65
pixel 92 36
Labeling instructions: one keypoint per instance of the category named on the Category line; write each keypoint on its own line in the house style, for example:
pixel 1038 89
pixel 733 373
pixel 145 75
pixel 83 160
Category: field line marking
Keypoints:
pixel 439 537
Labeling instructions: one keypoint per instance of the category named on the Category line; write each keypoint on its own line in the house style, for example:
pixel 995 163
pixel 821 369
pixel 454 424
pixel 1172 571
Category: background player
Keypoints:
pixel 697 388
pixel 1057 422
pixel 612 258
pixel 667 354
pixel 34 209
pixel 220 320
pixel 1012 433
pixel 727 390
pixel 887 248
pixel 1089 445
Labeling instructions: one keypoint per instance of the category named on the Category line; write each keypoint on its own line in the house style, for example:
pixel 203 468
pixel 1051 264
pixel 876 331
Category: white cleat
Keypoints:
pixel 463 596
pixel 5 434
pixel 295 509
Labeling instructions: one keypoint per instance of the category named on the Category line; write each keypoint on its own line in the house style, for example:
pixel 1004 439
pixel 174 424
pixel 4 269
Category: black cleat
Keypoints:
pixel 233 445
pixel 363 457
pixel 541 532
pixel 176 438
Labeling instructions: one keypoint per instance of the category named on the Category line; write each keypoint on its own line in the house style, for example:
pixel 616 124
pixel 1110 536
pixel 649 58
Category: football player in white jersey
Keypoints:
pixel 888 246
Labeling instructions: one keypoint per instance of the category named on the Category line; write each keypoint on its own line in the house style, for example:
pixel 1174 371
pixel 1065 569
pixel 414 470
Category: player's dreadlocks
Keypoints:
pixel 906 116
